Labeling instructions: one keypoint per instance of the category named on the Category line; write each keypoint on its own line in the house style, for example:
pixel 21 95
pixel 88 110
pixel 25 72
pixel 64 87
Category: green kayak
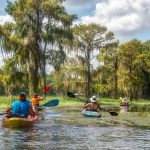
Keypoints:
pixel 90 113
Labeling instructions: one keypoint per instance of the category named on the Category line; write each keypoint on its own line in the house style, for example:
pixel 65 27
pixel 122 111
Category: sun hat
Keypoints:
pixel 93 99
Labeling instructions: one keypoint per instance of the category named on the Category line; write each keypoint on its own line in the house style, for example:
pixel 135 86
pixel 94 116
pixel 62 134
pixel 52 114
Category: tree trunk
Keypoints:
pixel 88 74
pixel 116 78
pixel 43 72
pixel 33 73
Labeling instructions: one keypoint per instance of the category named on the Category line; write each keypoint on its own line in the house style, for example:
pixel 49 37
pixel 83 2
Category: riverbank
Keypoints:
pixel 5 102
pixel 113 104
pixel 71 113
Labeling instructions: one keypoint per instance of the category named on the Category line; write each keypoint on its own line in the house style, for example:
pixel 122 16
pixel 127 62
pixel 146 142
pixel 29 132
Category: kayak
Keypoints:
pixel 90 113
pixel 123 109
pixel 15 122
pixel 124 104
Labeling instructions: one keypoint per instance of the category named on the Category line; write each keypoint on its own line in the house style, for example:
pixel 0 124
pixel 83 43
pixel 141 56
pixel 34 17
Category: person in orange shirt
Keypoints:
pixel 36 102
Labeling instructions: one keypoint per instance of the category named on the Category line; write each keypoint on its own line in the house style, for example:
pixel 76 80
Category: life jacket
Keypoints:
pixel 21 108
pixel 35 100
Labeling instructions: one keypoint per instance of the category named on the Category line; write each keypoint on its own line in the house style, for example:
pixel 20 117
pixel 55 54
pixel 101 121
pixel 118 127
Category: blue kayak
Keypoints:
pixel 90 113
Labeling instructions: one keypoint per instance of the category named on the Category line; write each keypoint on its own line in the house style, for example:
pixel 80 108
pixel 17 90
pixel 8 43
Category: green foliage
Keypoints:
pixel 37 26
pixel 88 39
pixel 130 72
pixel 137 107
pixel 106 72
pixel 41 34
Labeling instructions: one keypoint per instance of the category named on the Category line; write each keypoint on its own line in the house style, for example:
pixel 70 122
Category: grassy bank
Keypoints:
pixel 71 112
pixel 137 105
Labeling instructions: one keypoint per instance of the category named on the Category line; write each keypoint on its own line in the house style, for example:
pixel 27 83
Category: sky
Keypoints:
pixel 128 19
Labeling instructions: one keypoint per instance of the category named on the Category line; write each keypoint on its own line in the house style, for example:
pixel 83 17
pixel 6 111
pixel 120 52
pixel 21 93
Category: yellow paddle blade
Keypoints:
pixel 120 98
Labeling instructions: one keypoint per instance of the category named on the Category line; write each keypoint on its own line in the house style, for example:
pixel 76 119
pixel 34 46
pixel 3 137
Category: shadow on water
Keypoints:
pixel 50 134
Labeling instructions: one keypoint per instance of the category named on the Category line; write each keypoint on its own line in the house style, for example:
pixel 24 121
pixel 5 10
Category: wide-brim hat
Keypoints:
pixel 93 99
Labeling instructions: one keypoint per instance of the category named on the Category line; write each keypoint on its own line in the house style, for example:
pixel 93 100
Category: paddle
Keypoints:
pixel 71 95
pixel 50 103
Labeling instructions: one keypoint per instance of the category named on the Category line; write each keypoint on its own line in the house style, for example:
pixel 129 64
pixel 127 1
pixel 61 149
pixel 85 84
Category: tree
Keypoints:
pixel 88 39
pixel 106 78
pixel 145 63
pixel 130 68
pixel 39 26
pixel 71 76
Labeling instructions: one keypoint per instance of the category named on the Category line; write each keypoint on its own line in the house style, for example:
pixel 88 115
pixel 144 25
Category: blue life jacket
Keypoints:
pixel 21 108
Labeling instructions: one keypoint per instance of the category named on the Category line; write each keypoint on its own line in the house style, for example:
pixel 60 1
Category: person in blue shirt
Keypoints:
pixel 22 107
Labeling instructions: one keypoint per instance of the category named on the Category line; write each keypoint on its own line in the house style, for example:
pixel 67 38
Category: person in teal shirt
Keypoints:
pixel 22 107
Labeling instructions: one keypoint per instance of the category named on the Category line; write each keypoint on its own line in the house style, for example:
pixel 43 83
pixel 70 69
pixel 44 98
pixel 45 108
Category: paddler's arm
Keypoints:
pixel 41 98
pixel 99 107
pixel 86 105
pixel 31 112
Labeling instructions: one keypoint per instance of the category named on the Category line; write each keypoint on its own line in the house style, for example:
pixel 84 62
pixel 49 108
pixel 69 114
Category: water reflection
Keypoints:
pixel 124 109
pixel 47 135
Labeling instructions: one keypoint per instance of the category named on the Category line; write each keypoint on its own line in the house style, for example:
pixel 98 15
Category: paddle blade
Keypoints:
pixel 51 103
pixel 9 111
pixel 69 94
pixel 113 113
pixel 47 89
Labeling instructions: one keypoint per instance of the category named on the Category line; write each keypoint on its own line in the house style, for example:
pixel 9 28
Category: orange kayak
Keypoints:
pixel 15 122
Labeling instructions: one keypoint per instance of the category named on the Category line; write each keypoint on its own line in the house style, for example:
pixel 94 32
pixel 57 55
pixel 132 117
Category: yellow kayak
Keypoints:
pixel 15 122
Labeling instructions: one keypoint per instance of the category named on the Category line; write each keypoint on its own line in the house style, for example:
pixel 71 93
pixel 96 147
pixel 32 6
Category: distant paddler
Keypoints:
pixel 93 105
pixel 124 102
pixel 92 108
pixel 36 102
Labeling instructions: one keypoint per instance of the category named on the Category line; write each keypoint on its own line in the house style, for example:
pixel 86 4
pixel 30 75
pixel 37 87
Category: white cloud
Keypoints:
pixel 5 18
pixel 79 4
pixel 122 16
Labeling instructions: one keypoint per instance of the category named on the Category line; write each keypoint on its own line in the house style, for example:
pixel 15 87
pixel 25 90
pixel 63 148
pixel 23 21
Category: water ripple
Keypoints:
pixel 48 135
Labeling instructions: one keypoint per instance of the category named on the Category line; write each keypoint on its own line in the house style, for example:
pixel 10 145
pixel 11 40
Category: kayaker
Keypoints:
pixel 21 108
pixel 35 102
pixel 124 101
pixel 93 105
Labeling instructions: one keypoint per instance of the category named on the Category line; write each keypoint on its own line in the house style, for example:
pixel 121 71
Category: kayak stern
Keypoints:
pixel 18 122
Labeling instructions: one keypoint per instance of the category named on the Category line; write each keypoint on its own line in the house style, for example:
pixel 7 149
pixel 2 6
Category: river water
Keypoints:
pixel 48 135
